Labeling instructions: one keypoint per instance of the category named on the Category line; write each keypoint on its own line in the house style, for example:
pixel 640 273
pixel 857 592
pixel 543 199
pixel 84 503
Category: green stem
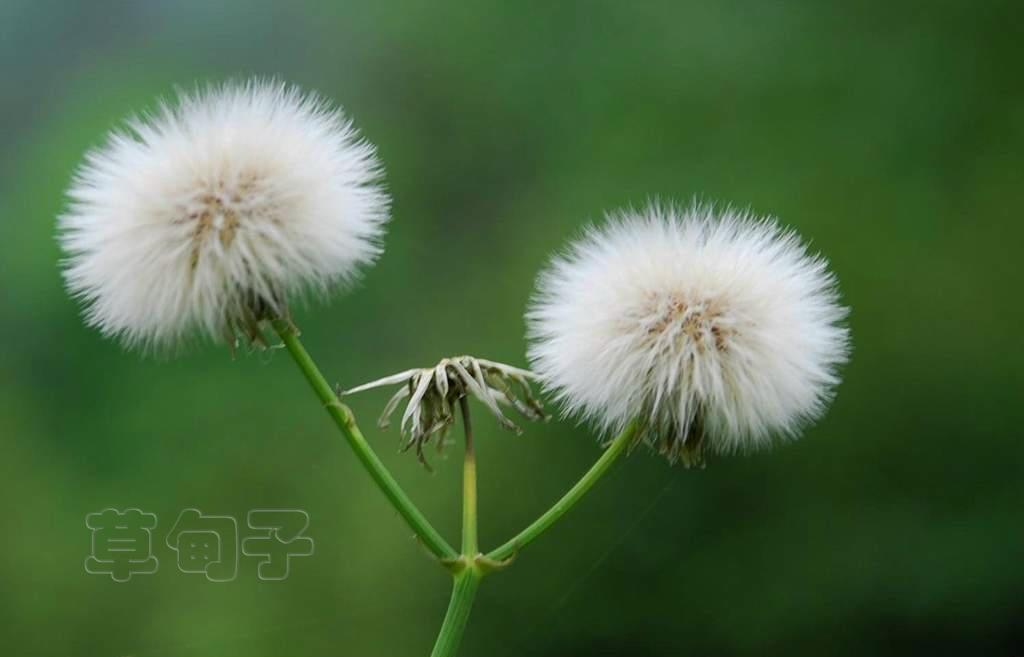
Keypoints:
pixel 603 464
pixel 469 540
pixel 463 593
pixel 343 417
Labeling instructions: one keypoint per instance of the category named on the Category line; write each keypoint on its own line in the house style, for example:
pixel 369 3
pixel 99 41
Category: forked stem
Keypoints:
pixel 345 421
pixel 469 567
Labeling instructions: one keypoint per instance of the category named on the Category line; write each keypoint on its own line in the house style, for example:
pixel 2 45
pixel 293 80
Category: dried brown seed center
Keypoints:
pixel 699 323
pixel 216 214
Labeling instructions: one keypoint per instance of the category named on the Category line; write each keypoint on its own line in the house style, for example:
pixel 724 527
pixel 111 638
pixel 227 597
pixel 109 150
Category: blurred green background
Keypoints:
pixel 890 135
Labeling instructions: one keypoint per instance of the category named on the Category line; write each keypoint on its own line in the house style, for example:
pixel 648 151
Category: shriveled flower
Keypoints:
pixel 433 393
pixel 209 215
pixel 715 329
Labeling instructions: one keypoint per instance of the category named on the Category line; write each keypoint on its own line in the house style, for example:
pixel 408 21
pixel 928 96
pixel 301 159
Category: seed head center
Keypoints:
pixel 215 215
pixel 697 323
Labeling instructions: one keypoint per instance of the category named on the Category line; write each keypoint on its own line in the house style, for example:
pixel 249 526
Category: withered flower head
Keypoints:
pixel 434 393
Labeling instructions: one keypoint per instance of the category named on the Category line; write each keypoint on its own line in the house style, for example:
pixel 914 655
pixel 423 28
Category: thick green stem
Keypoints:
pixel 343 417
pixel 469 540
pixel 603 464
pixel 463 593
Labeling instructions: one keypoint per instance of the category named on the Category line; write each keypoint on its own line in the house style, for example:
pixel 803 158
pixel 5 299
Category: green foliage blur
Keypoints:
pixel 889 134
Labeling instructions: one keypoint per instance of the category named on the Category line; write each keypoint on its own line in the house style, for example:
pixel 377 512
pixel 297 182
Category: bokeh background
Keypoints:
pixel 889 134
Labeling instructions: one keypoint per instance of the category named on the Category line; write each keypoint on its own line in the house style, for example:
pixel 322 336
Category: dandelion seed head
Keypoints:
pixel 717 328
pixel 208 215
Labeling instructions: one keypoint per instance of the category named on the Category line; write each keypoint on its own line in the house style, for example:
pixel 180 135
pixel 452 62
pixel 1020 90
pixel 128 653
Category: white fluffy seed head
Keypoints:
pixel 712 328
pixel 207 216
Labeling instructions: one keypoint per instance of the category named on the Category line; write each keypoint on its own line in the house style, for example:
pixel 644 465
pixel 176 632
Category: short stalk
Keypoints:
pixel 614 450
pixel 345 421
pixel 469 538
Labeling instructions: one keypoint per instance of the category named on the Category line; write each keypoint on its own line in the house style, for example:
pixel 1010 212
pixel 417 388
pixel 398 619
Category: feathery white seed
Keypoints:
pixel 208 215
pixel 709 326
